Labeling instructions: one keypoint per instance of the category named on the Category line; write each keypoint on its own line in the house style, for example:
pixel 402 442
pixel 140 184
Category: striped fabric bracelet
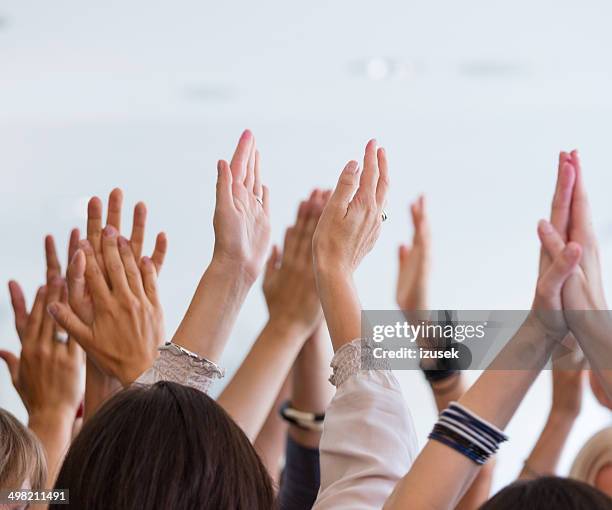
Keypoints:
pixel 465 432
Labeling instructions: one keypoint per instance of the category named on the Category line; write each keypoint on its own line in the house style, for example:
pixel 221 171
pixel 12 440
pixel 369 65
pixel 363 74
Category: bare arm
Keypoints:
pixel 242 231
pixel 498 392
pixel 294 313
pixel 567 382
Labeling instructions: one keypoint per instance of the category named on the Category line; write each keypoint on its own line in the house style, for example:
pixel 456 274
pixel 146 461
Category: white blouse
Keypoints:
pixel 369 439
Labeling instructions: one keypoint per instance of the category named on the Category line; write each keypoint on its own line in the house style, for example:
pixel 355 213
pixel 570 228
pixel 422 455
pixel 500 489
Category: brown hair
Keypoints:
pixel 21 455
pixel 164 446
pixel 549 493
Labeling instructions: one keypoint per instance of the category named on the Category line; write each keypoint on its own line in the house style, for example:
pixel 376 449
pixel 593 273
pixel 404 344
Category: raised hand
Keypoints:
pixel 123 324
pixel 414 262
pixel 584 289
pixel 115 205
pixel 242 226
pixel 242 231
pixel 295 313
pixel 289 284
pixel 48 373
pixel 347 231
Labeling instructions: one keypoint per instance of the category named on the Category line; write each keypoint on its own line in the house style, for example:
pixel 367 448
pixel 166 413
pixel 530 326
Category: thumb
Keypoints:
pixel 69 321
pixel 347 185
pixel 224 184
pixel 12 362
pixel 272 263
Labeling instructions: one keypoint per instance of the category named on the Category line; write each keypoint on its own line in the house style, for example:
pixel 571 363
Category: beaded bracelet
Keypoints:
pixel 460 429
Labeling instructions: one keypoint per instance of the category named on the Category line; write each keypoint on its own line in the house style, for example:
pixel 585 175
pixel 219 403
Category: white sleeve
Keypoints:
pixel 369 441
pixel 176 366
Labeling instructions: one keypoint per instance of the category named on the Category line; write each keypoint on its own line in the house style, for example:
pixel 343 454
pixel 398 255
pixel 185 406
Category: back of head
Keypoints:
pixel 593 464
pixel 549 493
pixel 22 458
pixel 164 446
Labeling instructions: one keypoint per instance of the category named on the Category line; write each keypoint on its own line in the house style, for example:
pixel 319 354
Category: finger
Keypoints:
pixel 12 363
pixel 225 198
pixel 238 164
pixel 250 174
pixel 382 185
pixel 310 226
pixel 326 196
pixel 421 225
pixel 550 238
pixel 98 288
pixel 552 281
pixel 289 245
pixel 113 263
pixel 19 308
pixel 132 271
pixel 94 224
pixel 257 190
pixel 54 268
pixel 580 209
pixel 404 252
pixel 346 186
pixel 159 252
pixel 115 203
pixel 149 279
pixel 77 290
pixel 562 199
pixel 54 293
pixel 369 176
pixel 273 261
pixel 68 320
pixel 266 200
pixel 73 243
pixel 138 229
pixel 36 315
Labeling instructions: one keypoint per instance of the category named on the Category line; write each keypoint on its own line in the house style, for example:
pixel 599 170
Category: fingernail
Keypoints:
pixel 122 241
pixel 110 231
pixel 352 167
pixel 146 261
pixel 545 227
pixel 218 167
pixel 52 309
pixel 571 251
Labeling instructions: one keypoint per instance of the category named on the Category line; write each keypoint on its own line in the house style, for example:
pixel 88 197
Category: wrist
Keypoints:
pixel 559 416
pixel 53 417
pixel 287 328
pixel 238 269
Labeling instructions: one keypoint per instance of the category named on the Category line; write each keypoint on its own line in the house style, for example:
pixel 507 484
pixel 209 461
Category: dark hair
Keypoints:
pixel 549 492
pixel 164 446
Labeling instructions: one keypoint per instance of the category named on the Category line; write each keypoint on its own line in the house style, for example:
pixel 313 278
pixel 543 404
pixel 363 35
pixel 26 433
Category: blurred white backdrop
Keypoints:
pixel 473 100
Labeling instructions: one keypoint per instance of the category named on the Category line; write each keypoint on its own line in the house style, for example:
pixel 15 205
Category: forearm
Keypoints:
pixel 494 398
pixel 54 429
pixel 448 390
pixel 213 310
pixel 451 390
pixel 340 304
pixel 544 457
pixel 250 394
pixel 593 331
pixel 311 390
pixel 270 442
pixel 98 388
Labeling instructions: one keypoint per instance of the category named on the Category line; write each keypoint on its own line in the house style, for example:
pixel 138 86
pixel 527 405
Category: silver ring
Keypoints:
pixel 61 337
pixel 385 216
pixel 259 200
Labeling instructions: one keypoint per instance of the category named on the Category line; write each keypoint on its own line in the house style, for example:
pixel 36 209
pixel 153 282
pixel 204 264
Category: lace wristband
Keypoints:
pixel 177 364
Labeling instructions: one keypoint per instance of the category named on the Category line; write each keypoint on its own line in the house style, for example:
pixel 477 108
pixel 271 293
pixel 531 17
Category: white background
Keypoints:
pixel 473 100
